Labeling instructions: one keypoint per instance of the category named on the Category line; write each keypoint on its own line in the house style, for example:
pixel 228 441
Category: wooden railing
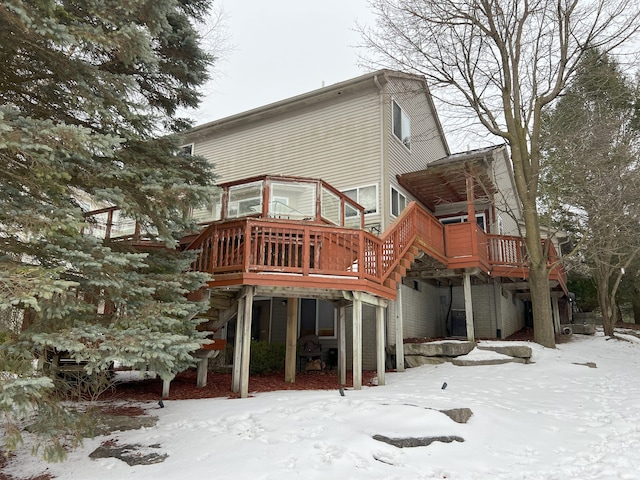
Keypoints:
pixel 414 224
pixel 283 247
pixel 511 252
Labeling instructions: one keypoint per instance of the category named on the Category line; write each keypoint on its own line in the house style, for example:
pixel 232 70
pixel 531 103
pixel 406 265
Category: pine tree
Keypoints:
pixel 87 92
pixel 592 175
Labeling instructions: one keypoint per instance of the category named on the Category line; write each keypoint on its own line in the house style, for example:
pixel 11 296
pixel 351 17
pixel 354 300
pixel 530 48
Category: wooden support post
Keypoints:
pixel 497 299
pixel 380 344
pixel 342 345
pixel 203 364
pixel 166 384
pixel 399 332
pixel 291 354
pixel 237 348
pixel 556 313
pixel 357 344
pixel 468 306
pixel 246 344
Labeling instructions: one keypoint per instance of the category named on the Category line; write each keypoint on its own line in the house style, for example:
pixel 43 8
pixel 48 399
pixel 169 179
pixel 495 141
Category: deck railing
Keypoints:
pixel 282 246
pixel 279 246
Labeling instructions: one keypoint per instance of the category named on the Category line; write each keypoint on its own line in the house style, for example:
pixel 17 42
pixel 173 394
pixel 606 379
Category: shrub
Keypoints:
pixel 266 357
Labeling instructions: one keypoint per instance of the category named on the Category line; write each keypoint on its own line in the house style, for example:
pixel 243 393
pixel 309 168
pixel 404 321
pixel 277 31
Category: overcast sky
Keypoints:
pixel 282 48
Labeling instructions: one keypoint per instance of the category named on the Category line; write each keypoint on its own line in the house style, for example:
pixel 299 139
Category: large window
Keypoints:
pixel 398 202
pixel 366 196
pixel 295 200
pixel 401 125
pixel 317 317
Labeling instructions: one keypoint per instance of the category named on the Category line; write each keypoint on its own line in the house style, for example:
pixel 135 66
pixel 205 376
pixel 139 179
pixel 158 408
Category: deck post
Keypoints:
pixel 342 344
pixel 497 297
pixel 237 348
pixel 246 344
pixel 471 214
pixel 291 354
pixel 203 366
pixel 468 306
pixel 166 384
pixel 399 332
pixel 380 341
pixel 357 343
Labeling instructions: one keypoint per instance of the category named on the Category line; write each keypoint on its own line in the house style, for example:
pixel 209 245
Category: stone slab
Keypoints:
pixel 439 349
pixel 518 351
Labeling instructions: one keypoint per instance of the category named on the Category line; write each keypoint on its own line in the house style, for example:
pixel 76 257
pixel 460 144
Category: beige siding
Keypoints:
pixel 505 199
pixel 426 142
pixel 336 141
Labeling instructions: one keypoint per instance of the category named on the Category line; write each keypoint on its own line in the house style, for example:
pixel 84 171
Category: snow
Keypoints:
pixel 556 418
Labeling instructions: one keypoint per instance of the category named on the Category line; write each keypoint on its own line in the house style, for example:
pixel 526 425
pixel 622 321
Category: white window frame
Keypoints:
pixel 400 195
pixel 401 130
pixel 357 199
pixel 463 219
pixel 188 149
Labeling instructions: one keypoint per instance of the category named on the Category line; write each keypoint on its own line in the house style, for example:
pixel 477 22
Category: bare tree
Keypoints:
pixel 505 62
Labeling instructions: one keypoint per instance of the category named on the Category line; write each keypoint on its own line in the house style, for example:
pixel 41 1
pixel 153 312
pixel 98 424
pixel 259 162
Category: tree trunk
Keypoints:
pixel 607 306
pixel 635 303
pixel 543 333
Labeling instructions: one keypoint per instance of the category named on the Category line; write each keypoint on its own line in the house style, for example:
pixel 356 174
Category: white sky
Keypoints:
pixel 280 49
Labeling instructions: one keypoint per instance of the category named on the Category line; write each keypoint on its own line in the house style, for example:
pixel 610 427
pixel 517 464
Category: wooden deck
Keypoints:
pixel 297 254
pixel 281 253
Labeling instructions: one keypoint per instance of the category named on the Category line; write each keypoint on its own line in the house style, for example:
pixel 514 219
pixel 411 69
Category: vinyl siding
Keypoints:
pixel 426 143
pixel 505 200
pixel 337 141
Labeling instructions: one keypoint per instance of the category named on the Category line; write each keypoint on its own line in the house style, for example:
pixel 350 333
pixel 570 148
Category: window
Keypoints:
pixel 187 149
pixel 401 125
pixel 317 317
pixel 293 200
pixel 398 202
pixel 330 206
pixel 245 200
pixel 480 220
pixel 210 213
pixel 365 196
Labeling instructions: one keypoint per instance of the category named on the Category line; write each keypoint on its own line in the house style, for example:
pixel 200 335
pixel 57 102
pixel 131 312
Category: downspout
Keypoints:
pixel 382 194
pixel 383 164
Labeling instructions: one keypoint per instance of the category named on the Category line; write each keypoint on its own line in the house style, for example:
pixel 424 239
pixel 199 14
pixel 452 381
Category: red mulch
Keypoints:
pixel 219 385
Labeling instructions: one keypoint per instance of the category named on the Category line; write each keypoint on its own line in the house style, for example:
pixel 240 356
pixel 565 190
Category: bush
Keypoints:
pixel 266 357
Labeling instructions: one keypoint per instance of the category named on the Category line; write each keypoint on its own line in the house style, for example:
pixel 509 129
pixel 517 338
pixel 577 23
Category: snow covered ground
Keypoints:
pixel 554 419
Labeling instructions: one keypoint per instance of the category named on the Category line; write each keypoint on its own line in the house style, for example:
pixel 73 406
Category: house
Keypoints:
pixel 342 213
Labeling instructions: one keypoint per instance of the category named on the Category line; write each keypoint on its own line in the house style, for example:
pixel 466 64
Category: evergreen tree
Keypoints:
pixel 87 91
pixel 592 174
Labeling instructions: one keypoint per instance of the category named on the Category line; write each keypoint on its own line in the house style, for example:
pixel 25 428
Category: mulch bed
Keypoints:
pixel 184 387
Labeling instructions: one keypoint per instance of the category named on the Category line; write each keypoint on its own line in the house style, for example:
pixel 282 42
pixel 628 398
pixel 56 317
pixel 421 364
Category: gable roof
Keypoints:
pixel 374 79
